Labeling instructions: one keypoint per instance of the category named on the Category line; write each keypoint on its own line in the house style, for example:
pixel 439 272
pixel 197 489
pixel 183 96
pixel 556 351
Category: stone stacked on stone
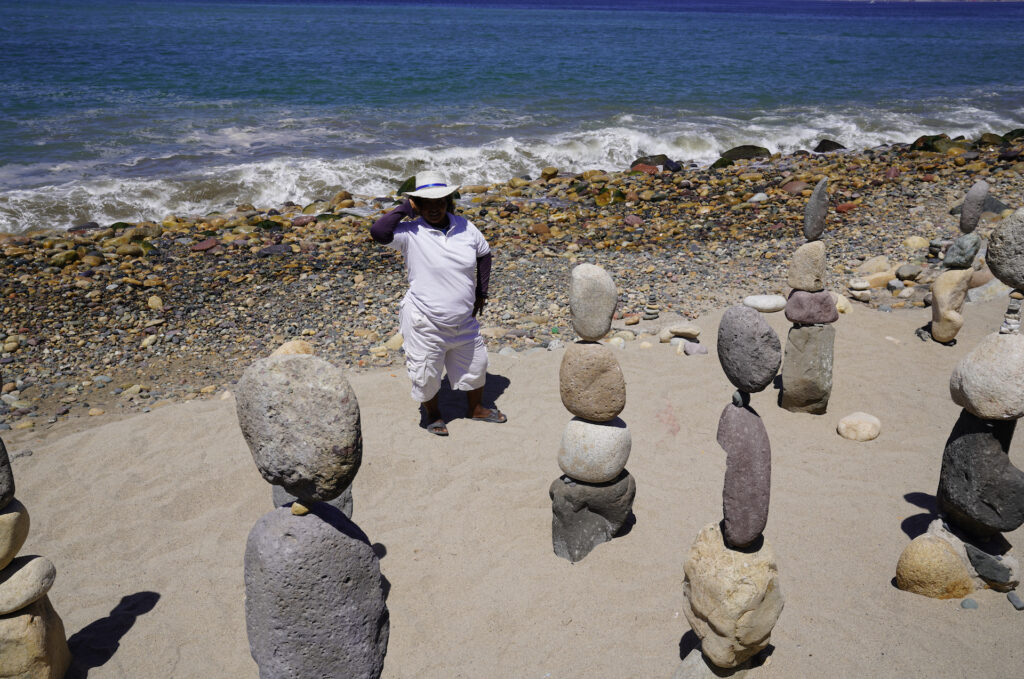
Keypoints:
pixel 314 603
pixel 651 309
pixel 807 368
pixel 731 585
pixel 949 290
pixel 981 492
pixel 593 499
pixel 32 641
pixel 1008 261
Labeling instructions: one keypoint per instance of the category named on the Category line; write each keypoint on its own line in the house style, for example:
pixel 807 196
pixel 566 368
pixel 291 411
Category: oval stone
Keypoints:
pixel 748 474
pixel 766 304
pixel 811 307
pixel 592 301
pixel 973 206
pixel 748 349
pixel 807 269
pixel 590 382
pixel 25 580
pixel 816 211
pixel 1005 256
pixel 14 525
pixel 300 418
pixel 989 381
pixel 859 426
pixel 594 452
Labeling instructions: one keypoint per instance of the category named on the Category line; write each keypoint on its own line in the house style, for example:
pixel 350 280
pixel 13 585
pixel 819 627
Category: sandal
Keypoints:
pixel 496 416
pixel 438 428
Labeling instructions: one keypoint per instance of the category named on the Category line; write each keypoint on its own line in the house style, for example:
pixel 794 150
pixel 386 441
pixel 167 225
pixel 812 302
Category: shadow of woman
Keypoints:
pixel 96 643
pixel 451 402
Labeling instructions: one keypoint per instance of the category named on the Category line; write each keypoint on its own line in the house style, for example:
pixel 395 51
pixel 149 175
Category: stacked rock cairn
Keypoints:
pixel 731 585
pixel 32 641
pixel 807 368
pixel 651 309
pixel 981 492
pixel 314 603
pixel 593 500
pixel 949 290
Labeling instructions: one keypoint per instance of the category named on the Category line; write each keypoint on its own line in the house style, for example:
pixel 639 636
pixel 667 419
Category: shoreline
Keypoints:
pixel 83 331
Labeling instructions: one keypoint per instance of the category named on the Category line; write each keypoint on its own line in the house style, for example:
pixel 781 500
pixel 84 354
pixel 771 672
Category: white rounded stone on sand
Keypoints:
pixel 766 304
pixel 594 452
pixel 859 427
pixel 989 381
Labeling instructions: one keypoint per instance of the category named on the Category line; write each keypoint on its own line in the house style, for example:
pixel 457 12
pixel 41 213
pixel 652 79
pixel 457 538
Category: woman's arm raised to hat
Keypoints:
pixel 383 230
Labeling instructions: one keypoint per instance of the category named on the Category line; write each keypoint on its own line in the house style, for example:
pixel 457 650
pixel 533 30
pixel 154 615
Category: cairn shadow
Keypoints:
pixel 917 524
pixel 381 551
pixel 690 643
pixel 96 643
pixel 452 403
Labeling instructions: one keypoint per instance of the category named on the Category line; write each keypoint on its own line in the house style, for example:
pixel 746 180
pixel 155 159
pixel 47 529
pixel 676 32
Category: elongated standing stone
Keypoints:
pixel 816 211
pixel 807 368
pixel 973 206
pixel 748 474
pixel 592 301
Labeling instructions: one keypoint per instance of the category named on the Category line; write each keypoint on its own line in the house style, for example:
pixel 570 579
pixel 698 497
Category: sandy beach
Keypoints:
pixel 146 519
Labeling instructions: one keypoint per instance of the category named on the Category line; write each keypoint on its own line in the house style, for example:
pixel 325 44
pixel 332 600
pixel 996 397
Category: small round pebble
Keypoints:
pixel 969 604
pixel 859 427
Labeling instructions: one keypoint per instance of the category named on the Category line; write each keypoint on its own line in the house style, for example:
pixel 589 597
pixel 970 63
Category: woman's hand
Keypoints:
pixel 478 305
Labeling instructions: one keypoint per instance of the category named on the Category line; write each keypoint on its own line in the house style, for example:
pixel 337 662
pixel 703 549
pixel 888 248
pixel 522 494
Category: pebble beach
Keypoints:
pixel 116 318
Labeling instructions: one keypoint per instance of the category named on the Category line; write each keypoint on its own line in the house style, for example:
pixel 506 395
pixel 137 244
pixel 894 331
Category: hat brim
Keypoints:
pixel 433 192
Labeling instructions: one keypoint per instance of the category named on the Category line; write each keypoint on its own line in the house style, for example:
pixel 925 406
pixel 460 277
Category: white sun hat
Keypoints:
pixel 430 184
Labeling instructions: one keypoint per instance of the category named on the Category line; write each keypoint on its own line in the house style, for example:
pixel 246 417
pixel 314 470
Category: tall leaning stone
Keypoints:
pixel 592 301
pixel 314 606
pixel 807 368
pixel 948 294
pixel 979 488
pixel 973 206
pixel 300 418
pixel 748 474
pixel 1005 255
pixel 816 211
pixel 6 477
pixel 748 349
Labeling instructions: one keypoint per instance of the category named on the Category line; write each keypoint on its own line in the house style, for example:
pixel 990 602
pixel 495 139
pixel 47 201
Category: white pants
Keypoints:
pixel 430 347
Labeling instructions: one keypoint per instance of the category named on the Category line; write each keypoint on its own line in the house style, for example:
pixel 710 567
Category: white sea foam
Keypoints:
pixel 65 199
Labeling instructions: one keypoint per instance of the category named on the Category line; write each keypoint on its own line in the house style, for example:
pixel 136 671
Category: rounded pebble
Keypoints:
pixel 766 304
pixel 594 452
pixel 859 427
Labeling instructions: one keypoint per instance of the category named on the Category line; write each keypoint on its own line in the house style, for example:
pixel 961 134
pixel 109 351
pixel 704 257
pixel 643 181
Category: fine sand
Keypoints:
pixel 146 519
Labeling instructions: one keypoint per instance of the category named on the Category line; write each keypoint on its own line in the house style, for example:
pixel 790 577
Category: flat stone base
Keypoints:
pixel 32 643
pixel 343 502
pixel 588 514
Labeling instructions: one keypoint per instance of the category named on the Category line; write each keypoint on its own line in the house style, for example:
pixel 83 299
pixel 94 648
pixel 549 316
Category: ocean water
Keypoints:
pixel 131 109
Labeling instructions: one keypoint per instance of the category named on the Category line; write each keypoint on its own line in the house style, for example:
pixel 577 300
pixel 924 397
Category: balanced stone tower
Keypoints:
pixel 594 498
pixel 314 604
pixel 32 641
pixel 981 492
pixel 807 368
pixel 949 290
pixel 733 599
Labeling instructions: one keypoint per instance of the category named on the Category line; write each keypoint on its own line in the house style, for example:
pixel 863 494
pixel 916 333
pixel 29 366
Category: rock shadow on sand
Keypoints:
pixel 918 524
pixel 96 643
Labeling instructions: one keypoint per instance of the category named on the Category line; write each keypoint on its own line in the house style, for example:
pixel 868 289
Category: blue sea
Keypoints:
pixel 125 110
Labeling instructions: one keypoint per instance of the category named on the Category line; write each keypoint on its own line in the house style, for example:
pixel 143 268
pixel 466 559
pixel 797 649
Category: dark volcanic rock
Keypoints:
pixel 807 370
pixel 314 606
pixel 748 349
pixel 827 145
pixel 990 567
pixel 979 488
pixel 588 514
pixel 748 474
pixel 811 307
pixel 6 477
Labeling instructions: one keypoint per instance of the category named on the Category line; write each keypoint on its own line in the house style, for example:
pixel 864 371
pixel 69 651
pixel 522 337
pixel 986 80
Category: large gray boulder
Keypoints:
pixel 807 370
pixel 973 206
pixel 748 349
pixel 1005 255
pixel 6 477
pixel 342 503
pixel 588 514
pixel 314 606
pixel 816 211
pixel 592 301
pixel 979 488
pixel 748 474
pixel 300 418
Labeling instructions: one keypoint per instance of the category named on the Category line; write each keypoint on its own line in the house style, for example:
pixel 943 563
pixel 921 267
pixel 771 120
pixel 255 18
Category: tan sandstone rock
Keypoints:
pixel 733 597
pixel 807 269
pixel 294 347
pixel 590 382
pixel 14 524
pixel 25 580
pixel 877 264
pixel 929 566
pixel 32 643
pixel 948 294
pixel 859 427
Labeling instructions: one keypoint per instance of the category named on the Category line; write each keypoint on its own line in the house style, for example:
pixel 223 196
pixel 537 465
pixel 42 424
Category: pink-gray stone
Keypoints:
pixel 807 369
pixel 816 211
pixel 585 515
pixel 6 477
pixel 973 206
pixel 811 307
pixel 748 349
pixel 300 417
pixel 980 490
pixel 748 474
pixel 314 605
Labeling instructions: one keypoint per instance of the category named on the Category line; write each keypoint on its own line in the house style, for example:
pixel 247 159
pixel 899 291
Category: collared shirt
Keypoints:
pixel 441 266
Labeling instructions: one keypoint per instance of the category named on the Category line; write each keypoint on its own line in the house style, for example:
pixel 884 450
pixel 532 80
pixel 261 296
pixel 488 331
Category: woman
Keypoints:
pixel 448 263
